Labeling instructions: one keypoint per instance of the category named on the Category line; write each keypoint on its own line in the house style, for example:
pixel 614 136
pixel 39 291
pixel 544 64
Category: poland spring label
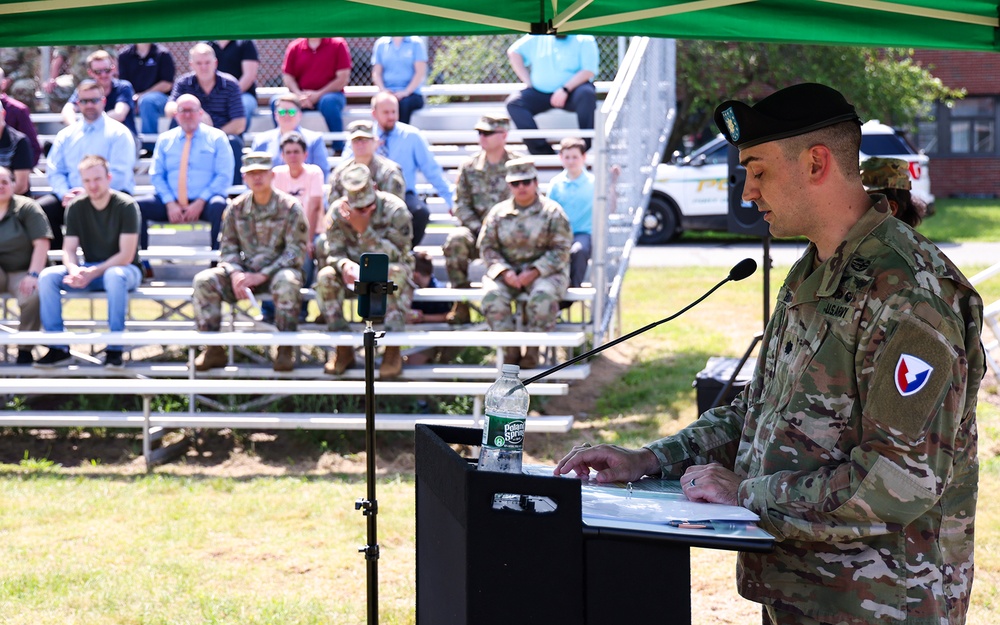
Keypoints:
pixel 503 432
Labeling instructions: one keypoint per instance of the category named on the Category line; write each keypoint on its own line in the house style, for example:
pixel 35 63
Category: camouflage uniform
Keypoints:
pixel 268 239
pixel 480 187
pixel 885 173
pixel 389 232
pixel 858 459
pixel 388 177
pixel 516 238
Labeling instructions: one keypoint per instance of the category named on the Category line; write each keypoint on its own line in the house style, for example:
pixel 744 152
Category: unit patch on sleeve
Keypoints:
pixel 912 374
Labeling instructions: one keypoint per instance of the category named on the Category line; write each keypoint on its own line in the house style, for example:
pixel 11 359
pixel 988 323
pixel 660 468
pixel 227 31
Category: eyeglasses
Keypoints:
pixel 287 112
pixel 187 110
pixel 102 72
pixel 521 183
pixel 89 100
pixel 488 133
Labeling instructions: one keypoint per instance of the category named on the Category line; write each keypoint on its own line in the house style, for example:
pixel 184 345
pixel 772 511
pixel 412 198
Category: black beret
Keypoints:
pixel 792 111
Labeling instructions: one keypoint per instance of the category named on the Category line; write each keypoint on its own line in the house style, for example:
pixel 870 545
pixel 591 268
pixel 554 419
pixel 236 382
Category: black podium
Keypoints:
pixel 479 563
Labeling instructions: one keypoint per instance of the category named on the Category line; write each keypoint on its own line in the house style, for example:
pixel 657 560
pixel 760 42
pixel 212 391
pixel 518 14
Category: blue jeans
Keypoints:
pixel 409 104
pixel 151 108
pixel 152 208
pixel 250 106
pixel 117 282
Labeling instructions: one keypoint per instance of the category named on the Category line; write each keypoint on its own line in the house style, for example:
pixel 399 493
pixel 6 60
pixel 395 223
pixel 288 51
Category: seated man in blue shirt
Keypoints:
pixel 192 167
pixel 119 94
pixel 288 112
pixel 573 188
pixel 94 134
pixel 558 70
pixel 220 97
pixel 404 145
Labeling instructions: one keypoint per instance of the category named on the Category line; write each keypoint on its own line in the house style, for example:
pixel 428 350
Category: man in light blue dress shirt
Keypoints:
pixel 209 172
pixel 404 145
pixel 94 134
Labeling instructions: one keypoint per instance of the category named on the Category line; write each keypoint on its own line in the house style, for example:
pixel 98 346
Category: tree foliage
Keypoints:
pixel 883 84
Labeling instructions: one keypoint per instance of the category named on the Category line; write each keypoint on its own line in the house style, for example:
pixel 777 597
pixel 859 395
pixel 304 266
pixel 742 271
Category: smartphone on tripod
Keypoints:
pixel 373 286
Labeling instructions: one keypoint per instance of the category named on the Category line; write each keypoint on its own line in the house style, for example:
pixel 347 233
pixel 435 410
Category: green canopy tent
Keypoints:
pixel 954 24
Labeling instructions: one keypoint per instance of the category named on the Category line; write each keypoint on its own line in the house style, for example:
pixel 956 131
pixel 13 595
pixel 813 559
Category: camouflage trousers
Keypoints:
pixel 460 250
pixel 541 312
pixel 214 286
pixel 331 291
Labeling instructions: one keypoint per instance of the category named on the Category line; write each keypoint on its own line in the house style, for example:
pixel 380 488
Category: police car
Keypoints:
pixel 693 194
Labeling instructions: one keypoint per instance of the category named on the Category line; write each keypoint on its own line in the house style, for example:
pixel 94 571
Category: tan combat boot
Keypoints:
pixel 212 357
pixel 285 360
pixel 512 355
pixel 459 314
pixel 392 363
pixel 341 362
pixel 530 359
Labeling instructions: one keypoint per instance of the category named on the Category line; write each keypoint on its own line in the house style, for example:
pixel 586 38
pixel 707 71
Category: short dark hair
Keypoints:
pixel 423 264
pixel 293 137
pixel 843 140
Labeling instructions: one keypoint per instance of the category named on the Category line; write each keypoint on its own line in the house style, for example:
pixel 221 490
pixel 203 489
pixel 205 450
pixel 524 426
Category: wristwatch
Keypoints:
pixel 563 88
pixel 33 274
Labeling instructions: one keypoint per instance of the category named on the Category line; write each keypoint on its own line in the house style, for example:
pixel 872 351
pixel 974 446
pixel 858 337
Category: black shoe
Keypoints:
pixel 113 360
pixel 54 358
pixel 24 357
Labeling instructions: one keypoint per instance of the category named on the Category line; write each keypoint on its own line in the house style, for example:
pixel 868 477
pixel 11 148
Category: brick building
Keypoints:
pixel 962 140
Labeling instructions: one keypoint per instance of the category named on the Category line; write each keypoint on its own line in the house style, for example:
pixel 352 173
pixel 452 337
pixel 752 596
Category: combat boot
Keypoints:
pixel 530 359
pixel 459 314
pixel 512 355
pixel 392 363
pixel 212 357
pixel 341 362
pixel 285 361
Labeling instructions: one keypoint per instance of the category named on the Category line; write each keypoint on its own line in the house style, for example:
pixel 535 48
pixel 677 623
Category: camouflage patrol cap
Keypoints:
pixel 360 129
pixel 885 173
pixel 256 161
pixel 789 112
pixel 491 123
pixel 521 169
pixel 358 187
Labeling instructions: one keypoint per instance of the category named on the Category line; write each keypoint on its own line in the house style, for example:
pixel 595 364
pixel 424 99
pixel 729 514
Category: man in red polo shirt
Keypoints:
pixel 317 70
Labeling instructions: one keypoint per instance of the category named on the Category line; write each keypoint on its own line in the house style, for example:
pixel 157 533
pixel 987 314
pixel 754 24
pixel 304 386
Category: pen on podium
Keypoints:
pixel 253 300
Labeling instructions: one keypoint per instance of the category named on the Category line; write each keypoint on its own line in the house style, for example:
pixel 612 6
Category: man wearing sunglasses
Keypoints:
pixel 118 94
pixel 525 243
pixel 288 112
pixel 481 185
pixel 96 134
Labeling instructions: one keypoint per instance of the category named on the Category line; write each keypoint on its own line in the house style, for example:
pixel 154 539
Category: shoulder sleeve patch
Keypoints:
pixel 911 378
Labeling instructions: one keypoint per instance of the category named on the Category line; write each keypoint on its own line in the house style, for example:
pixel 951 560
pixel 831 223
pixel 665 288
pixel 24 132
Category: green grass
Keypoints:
pixel 954 221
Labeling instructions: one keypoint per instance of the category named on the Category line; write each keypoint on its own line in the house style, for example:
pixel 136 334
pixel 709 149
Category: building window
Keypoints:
pixel 972 126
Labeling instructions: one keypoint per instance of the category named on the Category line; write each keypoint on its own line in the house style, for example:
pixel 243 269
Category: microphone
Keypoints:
pixel 741 271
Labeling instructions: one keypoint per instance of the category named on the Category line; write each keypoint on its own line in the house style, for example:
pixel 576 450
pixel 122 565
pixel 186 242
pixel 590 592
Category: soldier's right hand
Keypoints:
pixel 612 463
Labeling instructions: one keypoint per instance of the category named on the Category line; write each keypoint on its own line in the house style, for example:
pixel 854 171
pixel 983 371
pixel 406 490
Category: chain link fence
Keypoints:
pixel 452 60
pixel 636 117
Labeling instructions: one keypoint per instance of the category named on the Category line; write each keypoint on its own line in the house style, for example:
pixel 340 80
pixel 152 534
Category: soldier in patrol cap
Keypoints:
pixel 891 178
pixel 481 185
pixel 365 220
pixel 855 441
pixel 262 249
pixel 525 242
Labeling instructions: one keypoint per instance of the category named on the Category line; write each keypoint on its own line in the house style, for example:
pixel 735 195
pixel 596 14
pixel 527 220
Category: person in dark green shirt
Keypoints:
pixel 105 224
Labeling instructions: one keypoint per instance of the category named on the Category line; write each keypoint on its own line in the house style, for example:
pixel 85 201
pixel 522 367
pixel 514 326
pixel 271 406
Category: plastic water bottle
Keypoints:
pixel 503 433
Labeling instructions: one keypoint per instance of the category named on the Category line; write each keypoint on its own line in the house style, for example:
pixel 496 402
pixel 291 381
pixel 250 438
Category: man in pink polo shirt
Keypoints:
pixel 317 70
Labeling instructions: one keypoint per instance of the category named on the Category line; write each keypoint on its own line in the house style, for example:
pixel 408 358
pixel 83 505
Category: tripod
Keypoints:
pixel 766 243
pixel 369 505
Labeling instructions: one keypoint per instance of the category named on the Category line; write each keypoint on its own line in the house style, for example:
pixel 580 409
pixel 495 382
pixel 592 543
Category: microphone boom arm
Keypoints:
pixel 742 270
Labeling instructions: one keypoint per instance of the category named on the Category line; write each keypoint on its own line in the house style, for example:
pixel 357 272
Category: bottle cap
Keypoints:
pixel 510 369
